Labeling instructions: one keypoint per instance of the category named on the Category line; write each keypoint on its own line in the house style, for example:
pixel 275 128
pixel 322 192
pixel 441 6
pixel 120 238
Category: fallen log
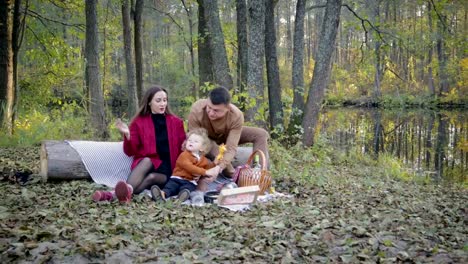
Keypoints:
pixel 60 161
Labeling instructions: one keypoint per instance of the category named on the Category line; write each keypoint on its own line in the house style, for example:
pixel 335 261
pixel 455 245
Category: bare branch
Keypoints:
pixel 315 7
pixel 363 21
pixel 40 17
pixel 188 11
pixel 181 29
pixel 44 48
pixel 44 24
pixel 440 16
pixel 396 74
pixel 169 16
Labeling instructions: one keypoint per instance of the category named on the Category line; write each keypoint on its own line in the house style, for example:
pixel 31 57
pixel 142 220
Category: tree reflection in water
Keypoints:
pixel 432 143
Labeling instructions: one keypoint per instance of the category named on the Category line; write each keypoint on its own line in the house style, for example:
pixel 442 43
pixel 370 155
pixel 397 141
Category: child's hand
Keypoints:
pixel 196 177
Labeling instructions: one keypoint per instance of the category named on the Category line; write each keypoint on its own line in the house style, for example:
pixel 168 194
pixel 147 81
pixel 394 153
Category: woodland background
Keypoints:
pixel 69 68
pixel 67 64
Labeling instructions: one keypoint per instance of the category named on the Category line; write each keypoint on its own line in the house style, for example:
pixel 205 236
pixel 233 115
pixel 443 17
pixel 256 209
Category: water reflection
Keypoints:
pixel 432 143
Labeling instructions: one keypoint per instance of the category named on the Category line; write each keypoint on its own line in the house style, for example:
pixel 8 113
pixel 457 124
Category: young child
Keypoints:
pixel 190 166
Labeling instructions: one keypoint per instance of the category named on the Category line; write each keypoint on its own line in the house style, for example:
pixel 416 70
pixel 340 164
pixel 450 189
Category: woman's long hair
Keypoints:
pixel 145 109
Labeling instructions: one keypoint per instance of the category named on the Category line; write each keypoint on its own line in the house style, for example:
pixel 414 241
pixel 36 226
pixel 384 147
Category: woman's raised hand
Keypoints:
pixel 122 127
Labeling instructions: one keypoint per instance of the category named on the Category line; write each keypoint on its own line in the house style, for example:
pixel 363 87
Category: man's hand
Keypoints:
pixel 212 173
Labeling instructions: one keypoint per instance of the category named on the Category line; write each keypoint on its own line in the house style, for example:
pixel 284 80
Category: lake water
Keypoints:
pixel 432 143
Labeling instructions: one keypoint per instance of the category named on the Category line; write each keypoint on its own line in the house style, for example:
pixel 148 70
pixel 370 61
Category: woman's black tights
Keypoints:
pixel 142 178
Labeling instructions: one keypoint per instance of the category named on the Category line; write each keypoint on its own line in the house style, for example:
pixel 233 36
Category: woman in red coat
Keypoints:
pixel 154 139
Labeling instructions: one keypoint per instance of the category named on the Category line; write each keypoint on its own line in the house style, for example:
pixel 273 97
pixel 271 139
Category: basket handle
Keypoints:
pixel 262 156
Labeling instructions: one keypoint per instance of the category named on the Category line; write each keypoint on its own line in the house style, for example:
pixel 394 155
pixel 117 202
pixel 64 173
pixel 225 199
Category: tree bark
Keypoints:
pixel 129 65
pixel 139 46
pixel 220 68
pixel 430 77
pixel 442 55
pixel 288 31
pixel 375 18
pixel 7 86
pixel 378 139
pixel 441 142
pixel 205 61
pixel 93 83
pixel 322 70
pixel 189 12
pixel 59 161
pixel 428 143
pixel 242 48
pixel 273 76
pixel 256 55
pixel 18 31
pixel 297 110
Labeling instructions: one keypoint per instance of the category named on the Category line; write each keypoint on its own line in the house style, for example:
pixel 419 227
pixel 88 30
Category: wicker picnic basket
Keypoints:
pixel 249 176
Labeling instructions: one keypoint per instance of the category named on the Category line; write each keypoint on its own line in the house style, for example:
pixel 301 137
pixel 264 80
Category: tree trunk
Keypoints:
pixel 442 55
pixel 220 68
pixel 189 12
pixel 139 46
pixel 93 83
pixel 322 70
pixel 7 85
pixel 430 77
pixel 60 161
pixel 256 56
pixel 205 61
pixel 274 86
pixel 129 65
pixel 298 70
pixel 310 33
pixel 428 143
pixel 375 17
pixel 441 142
pixel 288 31
pixel 242 48
pixel 18 31
pixel 378 139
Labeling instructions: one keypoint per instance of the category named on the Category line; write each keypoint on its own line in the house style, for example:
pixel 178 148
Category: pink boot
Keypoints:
pixel 99 196
pixel 123 191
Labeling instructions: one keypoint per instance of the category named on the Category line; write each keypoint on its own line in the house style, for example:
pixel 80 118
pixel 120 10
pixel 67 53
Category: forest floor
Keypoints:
pixel 355 214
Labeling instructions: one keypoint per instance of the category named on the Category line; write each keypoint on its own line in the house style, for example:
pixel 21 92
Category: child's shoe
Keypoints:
pixel 99 196
pixel 123 191
pixel 157 194
pixel 183 195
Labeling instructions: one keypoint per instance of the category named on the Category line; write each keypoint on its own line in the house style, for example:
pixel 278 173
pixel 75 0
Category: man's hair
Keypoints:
pixel 220 95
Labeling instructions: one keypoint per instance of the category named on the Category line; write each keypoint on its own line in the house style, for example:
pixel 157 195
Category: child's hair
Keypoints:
pixel 206 144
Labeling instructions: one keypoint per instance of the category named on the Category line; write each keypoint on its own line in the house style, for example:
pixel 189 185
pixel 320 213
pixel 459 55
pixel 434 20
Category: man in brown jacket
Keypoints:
pixel 225 124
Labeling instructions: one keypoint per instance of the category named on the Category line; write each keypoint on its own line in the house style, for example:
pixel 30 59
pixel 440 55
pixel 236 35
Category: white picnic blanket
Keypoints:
pixel 105 161
pixel 107 164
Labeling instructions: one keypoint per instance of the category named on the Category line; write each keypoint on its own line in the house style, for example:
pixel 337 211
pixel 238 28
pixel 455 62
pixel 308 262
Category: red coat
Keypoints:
pixel 142 141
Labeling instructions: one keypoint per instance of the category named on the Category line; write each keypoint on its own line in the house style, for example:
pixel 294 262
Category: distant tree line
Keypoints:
pixel 281 59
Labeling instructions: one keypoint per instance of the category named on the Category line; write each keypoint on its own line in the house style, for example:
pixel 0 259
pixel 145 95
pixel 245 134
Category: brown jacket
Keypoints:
pixel 188 167
pixel 226 130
